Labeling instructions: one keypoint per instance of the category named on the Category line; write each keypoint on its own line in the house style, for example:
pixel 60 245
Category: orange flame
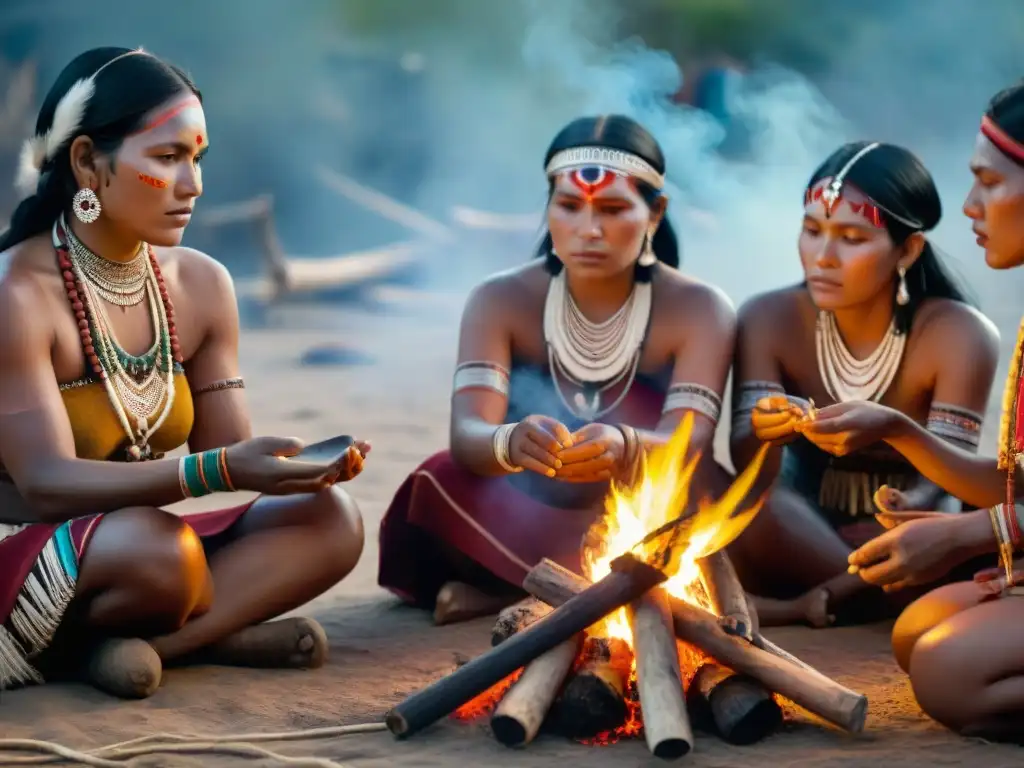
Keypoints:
pixel 660 495
pixel 631 513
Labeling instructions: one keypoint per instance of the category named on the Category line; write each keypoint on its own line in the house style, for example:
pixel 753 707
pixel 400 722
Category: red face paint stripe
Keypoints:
pixel 1002 140
pixel 153 181
pixel 169 114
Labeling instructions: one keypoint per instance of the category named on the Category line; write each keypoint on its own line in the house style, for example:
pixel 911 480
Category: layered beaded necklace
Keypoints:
pixel 140 387
pixel 594 356
pixel 845 377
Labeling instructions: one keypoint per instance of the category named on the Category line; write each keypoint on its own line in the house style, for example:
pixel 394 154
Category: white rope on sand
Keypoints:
pixel 117 755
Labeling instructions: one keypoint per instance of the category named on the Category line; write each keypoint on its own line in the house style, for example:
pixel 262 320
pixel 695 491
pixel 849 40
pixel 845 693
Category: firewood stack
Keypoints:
pixel 685 667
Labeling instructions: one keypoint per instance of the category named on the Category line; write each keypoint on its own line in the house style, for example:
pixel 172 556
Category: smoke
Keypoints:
pixel 452 103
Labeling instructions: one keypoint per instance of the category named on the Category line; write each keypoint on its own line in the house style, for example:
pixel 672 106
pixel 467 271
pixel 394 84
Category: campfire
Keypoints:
pixel 657 637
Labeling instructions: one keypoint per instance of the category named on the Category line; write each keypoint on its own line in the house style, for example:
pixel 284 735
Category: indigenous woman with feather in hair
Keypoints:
pixel 568 368
pixel 116 346
pixel 876 320
pixel 961 643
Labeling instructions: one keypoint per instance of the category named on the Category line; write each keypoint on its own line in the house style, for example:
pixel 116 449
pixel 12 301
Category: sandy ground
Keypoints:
pixel 381 651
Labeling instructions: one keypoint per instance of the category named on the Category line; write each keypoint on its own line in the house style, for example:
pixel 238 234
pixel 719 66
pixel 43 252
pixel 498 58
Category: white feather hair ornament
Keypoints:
pixel 67 118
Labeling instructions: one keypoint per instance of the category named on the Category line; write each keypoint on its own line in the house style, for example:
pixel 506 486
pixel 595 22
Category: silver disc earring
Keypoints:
pixel 86 205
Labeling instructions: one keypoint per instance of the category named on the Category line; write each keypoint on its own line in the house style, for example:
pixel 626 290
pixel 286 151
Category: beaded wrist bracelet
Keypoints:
pixel 200 474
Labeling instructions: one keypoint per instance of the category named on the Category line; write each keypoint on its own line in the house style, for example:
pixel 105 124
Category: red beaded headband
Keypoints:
pixel 869 210
pixel 830 192
pixel 1005 143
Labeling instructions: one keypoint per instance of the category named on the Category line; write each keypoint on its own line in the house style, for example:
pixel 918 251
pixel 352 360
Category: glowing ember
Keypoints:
pixel 484 704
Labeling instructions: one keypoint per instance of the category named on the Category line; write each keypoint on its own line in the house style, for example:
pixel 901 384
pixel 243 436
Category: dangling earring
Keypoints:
pixel 86 205
pixel 647 257
pixel 902 294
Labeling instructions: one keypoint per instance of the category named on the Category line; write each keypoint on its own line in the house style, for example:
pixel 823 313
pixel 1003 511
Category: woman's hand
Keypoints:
pixel 847 427
pixel 918 548
pixel 993 582
pixel 263 464
pixel 536 442
pixel 352 465
pixel 595 453
pixel 775 419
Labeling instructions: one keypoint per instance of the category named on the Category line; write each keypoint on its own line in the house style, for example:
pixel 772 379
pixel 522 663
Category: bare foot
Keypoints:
pixel 295 643
pixel 457 602
pixel 128 668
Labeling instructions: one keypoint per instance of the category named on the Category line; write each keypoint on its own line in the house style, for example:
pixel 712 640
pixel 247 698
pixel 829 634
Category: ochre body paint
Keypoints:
pixel 153 181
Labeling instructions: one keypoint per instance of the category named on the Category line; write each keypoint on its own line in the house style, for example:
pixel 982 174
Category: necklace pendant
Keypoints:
pixel 587 409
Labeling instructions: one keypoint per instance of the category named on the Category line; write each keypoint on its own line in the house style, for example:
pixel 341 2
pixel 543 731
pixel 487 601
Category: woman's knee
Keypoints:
pixel 339 525
pixel 943 677
pixel 144 565
pixel 927 612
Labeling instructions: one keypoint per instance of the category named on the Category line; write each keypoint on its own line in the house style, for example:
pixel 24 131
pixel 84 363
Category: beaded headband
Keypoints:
pixel 1003 141
pixel 617 161
pixel 831 193
pixel 67 117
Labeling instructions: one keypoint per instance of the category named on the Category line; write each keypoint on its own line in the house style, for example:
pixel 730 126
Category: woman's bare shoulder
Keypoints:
pixel 787 305
pixel 690 294
pixel 953 326
pixel 191 264
pixel 29 273
pixel 510 288
pixel 29 281
pixel 33 258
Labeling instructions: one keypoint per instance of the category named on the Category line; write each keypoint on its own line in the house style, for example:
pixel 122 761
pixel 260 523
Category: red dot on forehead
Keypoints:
pixel 199 140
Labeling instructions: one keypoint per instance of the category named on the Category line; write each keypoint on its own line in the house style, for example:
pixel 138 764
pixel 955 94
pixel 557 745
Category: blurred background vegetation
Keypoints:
pixel 359 86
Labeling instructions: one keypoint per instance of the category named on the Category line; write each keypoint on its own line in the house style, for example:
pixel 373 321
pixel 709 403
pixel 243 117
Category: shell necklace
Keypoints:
pixel 845 377
pixel 140 388
pixel 589 354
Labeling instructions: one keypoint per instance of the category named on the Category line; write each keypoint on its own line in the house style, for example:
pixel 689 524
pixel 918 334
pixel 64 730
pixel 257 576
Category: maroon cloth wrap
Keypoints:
pixel 18 553
pixel 504 524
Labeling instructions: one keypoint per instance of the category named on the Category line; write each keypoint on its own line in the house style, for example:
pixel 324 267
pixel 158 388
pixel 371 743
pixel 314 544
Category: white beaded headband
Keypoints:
pixel 616 160
pixel 67 117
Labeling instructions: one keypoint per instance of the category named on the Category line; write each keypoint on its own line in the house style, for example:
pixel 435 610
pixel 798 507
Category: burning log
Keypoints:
pixel 594 699
pixel 629 578
pixel 522 710
pixel 659 681
pixel 736 707
pixel 517 617
pixel 726 594
pixel 801 684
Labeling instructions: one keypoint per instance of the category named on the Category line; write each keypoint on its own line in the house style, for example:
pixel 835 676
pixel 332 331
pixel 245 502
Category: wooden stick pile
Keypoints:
pixel 580 684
